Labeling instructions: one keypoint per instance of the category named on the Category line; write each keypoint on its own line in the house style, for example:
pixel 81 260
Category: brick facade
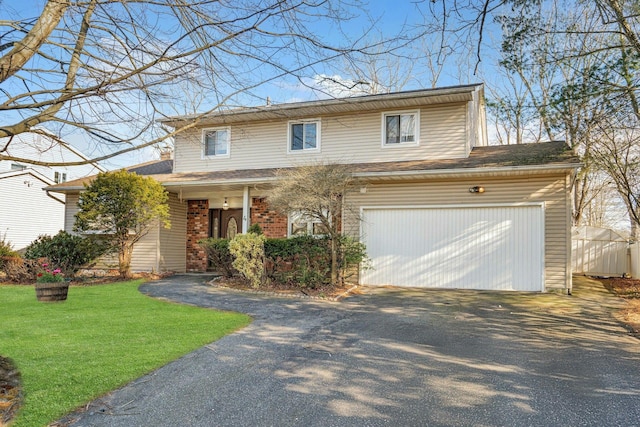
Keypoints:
pixel 273 224
pixel 197 228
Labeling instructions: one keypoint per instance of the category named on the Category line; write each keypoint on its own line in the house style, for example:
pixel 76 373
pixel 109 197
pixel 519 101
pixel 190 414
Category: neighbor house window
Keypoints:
pixel 304 136
pixel 17 167
pixel 216 142
pixel 59 177
pixel 400 128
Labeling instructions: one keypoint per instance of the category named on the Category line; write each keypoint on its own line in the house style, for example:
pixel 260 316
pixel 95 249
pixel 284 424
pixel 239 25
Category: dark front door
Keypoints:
pixel 225 224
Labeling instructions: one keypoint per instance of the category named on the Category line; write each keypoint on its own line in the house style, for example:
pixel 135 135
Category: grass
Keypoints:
pixel 101 338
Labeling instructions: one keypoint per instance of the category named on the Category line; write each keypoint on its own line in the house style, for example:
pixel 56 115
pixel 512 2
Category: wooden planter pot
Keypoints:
pixel 52 291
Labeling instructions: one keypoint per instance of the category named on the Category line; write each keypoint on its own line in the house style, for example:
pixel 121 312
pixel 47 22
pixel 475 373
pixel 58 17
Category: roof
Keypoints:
pixel 152 168
pixel 555 155
pixel 32 140
pixel 27 171
pixel 155 167
pixel 406 99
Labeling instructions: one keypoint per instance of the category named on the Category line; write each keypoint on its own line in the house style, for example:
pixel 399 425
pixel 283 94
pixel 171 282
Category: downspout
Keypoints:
pixel 54 197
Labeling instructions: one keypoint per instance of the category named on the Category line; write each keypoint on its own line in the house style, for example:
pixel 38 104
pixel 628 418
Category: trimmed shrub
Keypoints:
pixel 302 261
pixel 18 270
pixel 219 256
pixel 255 229
pixel 305 261
pixel 66 251
pixel 248 252
pixel 6 249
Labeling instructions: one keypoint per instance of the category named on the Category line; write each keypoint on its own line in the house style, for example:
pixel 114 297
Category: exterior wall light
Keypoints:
pixel 476 189
pixel 225 205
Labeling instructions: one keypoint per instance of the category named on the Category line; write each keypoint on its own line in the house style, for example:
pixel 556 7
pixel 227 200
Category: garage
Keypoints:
pixel 492 247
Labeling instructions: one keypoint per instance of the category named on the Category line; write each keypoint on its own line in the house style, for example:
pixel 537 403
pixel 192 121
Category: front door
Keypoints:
pixel 225 224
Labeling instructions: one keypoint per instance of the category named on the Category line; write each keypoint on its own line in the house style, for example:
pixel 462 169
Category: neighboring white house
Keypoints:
pixel 26 209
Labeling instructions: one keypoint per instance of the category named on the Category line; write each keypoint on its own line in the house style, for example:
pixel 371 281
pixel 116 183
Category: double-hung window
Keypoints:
pixel 300 224
pixel 304 136
pixel 401 128
pixel 216 142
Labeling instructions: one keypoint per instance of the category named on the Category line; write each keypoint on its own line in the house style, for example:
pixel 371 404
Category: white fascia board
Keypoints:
pixel 245 181
pixel 470 171
pixel 28 171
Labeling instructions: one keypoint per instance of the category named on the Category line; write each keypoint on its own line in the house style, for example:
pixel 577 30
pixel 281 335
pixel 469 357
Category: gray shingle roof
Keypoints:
pixel 556 153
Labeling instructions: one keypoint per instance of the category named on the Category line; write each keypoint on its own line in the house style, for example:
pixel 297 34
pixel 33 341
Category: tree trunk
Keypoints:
pixel 334 262
pixel 124 261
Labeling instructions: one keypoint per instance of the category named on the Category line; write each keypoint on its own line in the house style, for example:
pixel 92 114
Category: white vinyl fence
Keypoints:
pixel 599 252
pixel 635 260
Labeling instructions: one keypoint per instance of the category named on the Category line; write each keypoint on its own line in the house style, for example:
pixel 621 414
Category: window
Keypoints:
pixel 303 225
pixel 17 167
pixel 400 128
pixel 216 142
pixel 59 177
pixel 304 136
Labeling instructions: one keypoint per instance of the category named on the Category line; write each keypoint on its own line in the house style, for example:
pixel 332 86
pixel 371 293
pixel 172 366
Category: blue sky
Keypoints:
pixel 389 18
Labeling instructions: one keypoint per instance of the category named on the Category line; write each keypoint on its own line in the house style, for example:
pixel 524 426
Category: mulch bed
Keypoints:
pixel 10 390
pixel 628 289
pixel 331 293
pixel 623 287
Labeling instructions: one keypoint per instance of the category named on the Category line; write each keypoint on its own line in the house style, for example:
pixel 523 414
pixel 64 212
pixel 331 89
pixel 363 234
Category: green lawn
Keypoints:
pixel 101 338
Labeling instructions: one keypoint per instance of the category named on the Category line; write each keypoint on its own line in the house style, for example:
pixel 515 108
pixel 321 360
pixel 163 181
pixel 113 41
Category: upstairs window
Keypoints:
pixel 400 128
pixel 17 167
pixel 304 136
pixel 216 142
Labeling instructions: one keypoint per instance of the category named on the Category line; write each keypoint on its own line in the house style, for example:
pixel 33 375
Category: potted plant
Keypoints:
pixel 51 285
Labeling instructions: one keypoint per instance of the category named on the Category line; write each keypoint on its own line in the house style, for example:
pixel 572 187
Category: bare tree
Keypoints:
pixel 110 68
pixel 317 192
pixel 618 154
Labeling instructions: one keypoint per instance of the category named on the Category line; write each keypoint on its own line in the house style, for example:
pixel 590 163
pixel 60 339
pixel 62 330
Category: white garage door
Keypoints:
pixel 479 247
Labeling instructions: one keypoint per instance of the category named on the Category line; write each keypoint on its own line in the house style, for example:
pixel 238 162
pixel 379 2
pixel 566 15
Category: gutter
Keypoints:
pixel 53 197
pixel 470 171
pixel 218 182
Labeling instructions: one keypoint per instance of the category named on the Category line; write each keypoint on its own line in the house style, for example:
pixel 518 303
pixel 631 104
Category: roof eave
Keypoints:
pixel 245 181
pixel 553 168
pixel 465 92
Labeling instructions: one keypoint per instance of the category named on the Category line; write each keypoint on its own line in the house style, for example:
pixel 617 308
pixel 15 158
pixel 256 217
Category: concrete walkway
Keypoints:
pixel 393 357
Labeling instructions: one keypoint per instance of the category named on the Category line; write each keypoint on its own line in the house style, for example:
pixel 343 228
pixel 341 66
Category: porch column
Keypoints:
pixel 246 213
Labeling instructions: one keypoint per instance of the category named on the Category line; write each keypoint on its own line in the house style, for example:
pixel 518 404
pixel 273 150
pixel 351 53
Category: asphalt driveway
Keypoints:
pixel 392 357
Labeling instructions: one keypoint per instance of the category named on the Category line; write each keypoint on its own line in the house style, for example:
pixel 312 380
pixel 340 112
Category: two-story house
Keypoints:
pixel 439 207
pixel 26 210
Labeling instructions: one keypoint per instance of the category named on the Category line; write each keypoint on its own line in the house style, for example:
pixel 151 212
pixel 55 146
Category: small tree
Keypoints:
pixel 317 192
pixel 248 252
pixel 123 207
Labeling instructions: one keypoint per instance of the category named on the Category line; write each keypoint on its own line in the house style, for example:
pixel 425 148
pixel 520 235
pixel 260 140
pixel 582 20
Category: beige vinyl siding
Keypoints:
pixel 548 189
pixel 145 252
pixel 71 209
pixel 160 250
pixel 356 138
pixel 173 241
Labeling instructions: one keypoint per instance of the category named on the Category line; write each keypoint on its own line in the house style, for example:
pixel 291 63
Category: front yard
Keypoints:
pixel 101 338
